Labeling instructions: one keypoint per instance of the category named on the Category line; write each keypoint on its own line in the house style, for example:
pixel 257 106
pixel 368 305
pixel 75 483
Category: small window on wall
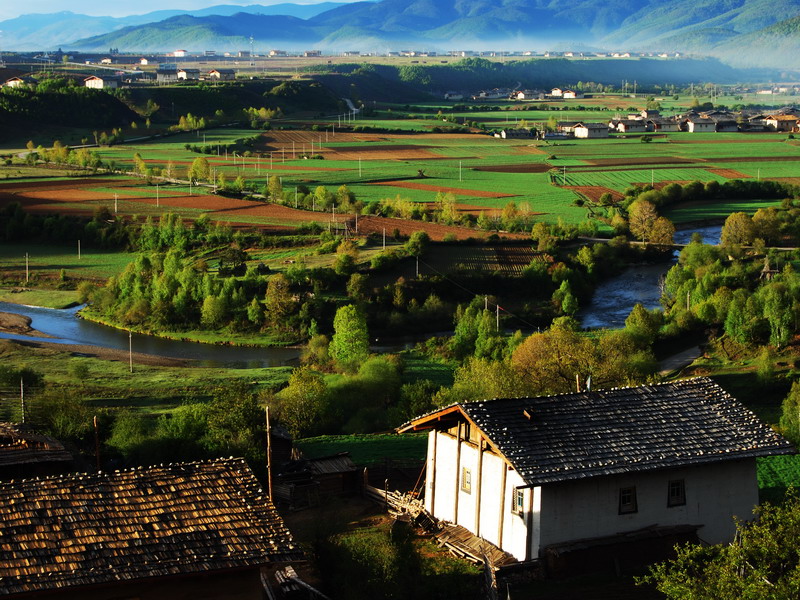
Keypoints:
pixel 518 502
pixel 676 495
pixel 466 480
pixel 627 500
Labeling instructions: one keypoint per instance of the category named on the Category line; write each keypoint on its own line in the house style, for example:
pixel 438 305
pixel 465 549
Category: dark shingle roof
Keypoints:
pixel 20 445
pixel 623 430
pixel 61 532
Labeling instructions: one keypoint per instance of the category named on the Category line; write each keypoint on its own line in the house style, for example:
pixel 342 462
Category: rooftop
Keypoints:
pixel 86 529
pixel 20 444
pixel 616 431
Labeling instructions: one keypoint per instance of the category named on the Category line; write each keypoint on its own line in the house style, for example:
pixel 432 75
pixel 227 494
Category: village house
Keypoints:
pixel 144 62
pixel 591 130
pixel 628 126
pixel 27 453
pixel 164 76
pixel 101 82
pixel 699 125
pixel 180 531
pixel 781 122
pixel 571 94
pixel 725 124
pixel 189 74
pixel 557 92
pixel 452 95
pixel 23 81
pixel 527 95
pixel 514 134
pixel 179 54
pixel 662 125
pixel 566 126
pixel 222 74
pixel 581 472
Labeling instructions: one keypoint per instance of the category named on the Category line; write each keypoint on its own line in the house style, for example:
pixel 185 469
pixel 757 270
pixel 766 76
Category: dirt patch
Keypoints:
pixel 529 168
pixel 748 159
pixel 729 173
pixel 644 160
pixel 18 325
pixel 68 184
pixel 372 224
pixel 110 354
pixel 413 185
pixel 593 192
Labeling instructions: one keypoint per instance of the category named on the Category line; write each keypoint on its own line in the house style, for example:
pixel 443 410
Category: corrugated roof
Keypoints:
pixel 19 444
pixel 86 529
pixel 621 430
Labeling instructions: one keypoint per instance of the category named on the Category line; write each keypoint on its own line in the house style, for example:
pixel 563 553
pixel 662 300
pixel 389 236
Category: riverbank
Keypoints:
pixel 212 338
pixel 18 325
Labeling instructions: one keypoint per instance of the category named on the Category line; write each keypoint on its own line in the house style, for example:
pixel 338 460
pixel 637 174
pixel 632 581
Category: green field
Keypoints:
pixel 776 474
pixel 367 449
pixel 47 261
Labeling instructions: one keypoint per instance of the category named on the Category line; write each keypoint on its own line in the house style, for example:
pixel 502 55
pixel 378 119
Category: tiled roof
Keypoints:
pixel 99 528
pixel 19 445
pixel 621 430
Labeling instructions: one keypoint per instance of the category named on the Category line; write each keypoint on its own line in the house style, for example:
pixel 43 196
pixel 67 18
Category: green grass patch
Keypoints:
pixel 45 298
pixel 776 474
pixel 367 449
pixel 47 260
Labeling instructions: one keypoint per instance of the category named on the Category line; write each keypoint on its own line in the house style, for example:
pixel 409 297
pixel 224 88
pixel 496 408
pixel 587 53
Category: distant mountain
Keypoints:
pixel 723 28
pixel 54 30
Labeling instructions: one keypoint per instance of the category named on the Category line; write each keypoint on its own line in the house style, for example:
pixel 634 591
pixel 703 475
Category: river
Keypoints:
pixel 67 328
pixel 610 306
pixel 613 299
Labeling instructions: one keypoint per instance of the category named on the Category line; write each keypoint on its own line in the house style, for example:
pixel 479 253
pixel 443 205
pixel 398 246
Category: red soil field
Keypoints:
pixel 413 185
pixel 373 224
pixel 729 173
pixel 593 192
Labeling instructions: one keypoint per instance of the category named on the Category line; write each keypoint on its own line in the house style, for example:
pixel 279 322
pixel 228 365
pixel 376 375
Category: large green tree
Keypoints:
pixel 350 343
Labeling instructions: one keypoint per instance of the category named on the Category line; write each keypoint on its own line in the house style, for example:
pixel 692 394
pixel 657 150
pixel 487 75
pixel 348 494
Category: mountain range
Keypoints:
pixel 741 32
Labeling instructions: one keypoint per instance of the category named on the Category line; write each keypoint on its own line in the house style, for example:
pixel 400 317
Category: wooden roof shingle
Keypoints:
pixel 19 445
pixel 621 430
pixel 98 528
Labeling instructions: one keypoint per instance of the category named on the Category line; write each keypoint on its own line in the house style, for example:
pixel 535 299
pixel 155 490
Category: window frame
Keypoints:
pixel 518 501
pixel 630 506
pixel 676 499
pixel 466 480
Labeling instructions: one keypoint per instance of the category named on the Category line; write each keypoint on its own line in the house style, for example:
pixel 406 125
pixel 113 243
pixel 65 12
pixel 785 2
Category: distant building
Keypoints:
pixel 312 53
pixel 144 62
pixel 591 130
pixel 222 74
pixel 210 53
pixel 180 53
pixel 23 81
pixel 101 82
pixel 274 53
pixel 700 125
pixel 165 76
pixel 189 74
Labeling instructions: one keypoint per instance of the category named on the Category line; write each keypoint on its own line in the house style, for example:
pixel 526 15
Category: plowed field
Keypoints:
pixel 413 185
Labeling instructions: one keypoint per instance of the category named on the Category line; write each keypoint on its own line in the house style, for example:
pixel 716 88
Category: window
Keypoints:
pixel 518 502
pixel 466 480
pixel 676 493
pixel 627 500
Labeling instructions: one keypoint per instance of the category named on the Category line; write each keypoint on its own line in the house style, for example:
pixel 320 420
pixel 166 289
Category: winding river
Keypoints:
pixel 611 304
pixel 67 328
pixel 613 299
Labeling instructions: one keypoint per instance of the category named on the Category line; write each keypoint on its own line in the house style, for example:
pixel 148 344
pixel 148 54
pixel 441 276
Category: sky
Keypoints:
pixel 10 9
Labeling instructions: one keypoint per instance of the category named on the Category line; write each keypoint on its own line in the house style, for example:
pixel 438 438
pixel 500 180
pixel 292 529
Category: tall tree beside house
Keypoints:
pixel 200 169
pixel 350 343
pixel 738 229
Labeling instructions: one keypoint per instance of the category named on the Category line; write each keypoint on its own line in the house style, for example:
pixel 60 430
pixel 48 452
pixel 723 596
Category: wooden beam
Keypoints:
pixel 529 525
pixel 432 473
pixel 478 479
pixel 502 508
pixel 458 474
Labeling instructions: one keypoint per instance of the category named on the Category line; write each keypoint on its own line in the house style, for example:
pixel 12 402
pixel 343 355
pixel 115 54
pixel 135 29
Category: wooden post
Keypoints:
pixel 432 472
pixel 458 473
pixel 478 478
pixel 502 507
pixel 22 398
pixel 269 456
pixel 96 443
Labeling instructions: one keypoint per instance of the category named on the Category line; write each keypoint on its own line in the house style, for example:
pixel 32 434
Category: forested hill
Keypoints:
pixel 725 28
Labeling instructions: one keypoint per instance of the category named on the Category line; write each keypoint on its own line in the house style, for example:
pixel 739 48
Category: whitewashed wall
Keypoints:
pixel 714 494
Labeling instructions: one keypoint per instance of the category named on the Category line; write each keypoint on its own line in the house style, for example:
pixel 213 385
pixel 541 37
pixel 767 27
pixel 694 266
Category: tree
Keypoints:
pixel 200 169
pixel 301 404
pixel 790 414
pixel 350 343
pixel 763 562
pixel 662 233
pixel 642 217
pixel 278 300
pixel 417 243
pixel 738 229
pixel 275 189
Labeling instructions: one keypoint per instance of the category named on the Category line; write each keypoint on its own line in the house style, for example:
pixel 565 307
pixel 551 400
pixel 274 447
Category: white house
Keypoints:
pixel 100 83
pixel 189 74
pixel 591 130
pixel 571 94
pixel 166 76
pixel 144 62
pixel 180 53
pixel 23 81
pixel 527 474
pixel 629 125
pixel 700 125
pixel 222 74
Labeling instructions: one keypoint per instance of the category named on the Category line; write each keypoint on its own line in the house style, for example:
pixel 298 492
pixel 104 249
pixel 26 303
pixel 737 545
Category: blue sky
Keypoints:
pixel 9 9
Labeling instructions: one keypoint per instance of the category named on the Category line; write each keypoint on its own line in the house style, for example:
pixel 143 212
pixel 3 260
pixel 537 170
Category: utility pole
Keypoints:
pixel 27 273
pixel 96 443
pixel 417 267
pixel 79 249
pixel 384 238
pixel 459 171
pixel 116 197
pixel 359 167
pixel 157 199
pixel 497 318
pixel 130 351
pixel 22 398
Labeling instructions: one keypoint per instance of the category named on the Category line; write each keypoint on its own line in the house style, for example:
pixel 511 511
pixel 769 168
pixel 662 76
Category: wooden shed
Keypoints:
pixel 27 453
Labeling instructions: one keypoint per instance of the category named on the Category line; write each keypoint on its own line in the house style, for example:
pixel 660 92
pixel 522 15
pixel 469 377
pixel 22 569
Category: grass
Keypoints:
pixel 776 474
pixel 148 389
pixel 47 260
pixel 367 449
pixel 45 298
